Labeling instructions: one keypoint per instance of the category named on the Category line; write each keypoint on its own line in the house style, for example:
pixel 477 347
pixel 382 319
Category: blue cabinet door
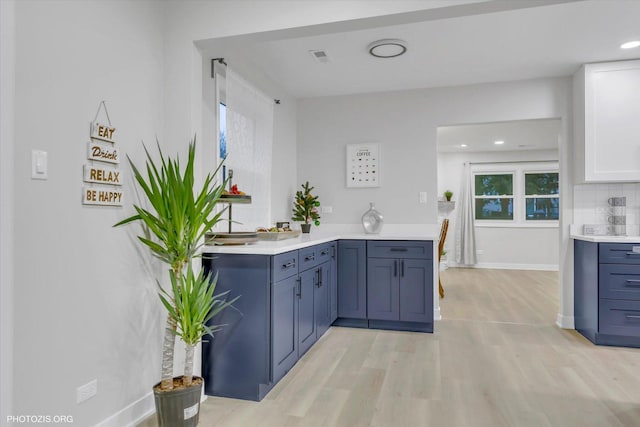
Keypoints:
pixel 284 328
pixel 306 310
pixel 352 279
pixel 416 292
pixel 321 299
pixel 333 284
pixel 382 289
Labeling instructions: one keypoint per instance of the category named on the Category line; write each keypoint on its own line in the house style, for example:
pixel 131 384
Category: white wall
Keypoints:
pixel 405 123
pixel 7 80
pixel 85 308
pixel 525 248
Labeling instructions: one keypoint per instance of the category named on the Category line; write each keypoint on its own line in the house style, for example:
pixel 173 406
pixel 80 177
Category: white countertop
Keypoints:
pixel 329 234
pixel 607 239
pixel 575 232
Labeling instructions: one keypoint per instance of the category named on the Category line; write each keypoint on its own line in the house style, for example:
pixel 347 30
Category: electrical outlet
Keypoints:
pixel 327 209
pixel 423 197
pixel 87 391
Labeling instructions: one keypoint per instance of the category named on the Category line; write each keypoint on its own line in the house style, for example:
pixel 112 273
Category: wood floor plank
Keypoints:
pixel 495 359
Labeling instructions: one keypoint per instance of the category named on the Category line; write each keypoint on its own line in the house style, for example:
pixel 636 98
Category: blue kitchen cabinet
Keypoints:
pixel 352 279
pixel 607 292
pixel 400 277
pixel 322 298
pixel 333 284
pixel 236 362
pixel 284 318
pixel 307 335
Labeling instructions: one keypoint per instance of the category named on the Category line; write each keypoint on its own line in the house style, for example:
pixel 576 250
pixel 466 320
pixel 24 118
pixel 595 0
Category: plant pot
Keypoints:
pixel 305 228
pixel 178 408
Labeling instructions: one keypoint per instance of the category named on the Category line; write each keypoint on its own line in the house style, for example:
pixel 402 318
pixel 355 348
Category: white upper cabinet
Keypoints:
pixel 607 122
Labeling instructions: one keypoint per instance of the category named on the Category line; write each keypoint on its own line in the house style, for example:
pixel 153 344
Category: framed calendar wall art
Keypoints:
pixel 363 165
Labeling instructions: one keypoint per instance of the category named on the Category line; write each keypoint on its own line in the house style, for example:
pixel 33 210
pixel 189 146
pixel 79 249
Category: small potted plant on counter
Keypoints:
pixel 448 195
pixel 305 208
pixel 173 229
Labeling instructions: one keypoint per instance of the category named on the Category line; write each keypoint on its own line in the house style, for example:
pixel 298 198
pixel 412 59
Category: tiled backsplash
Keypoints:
pixel 590 204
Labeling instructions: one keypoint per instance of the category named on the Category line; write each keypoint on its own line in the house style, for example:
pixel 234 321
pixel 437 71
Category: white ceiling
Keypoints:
pixel 517 135
pixel 469 45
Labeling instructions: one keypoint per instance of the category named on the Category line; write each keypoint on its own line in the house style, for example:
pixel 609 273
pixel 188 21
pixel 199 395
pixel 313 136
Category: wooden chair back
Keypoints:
pixel 443 237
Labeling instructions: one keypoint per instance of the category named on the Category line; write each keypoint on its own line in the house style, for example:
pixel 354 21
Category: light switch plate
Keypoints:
pixel 423 197
pixel 39 165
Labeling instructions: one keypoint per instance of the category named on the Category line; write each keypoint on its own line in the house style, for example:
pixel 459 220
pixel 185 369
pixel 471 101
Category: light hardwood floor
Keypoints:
pixel 496 359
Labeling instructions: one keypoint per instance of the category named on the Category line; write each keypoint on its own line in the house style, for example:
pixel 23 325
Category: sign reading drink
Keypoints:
pixel 102 196
pixel 102 152
pixel 102 174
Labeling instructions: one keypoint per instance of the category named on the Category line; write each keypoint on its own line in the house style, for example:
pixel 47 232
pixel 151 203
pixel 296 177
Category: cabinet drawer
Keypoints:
pixel 400 249
pixel 619 281
pixel 619 317
pixel 325 252
pixel 309 257
pixel 284 265
pixel 619 253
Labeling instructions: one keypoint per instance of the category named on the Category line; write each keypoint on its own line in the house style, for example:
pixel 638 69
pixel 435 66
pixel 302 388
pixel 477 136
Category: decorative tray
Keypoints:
pixel 235 198
pixel 278 235
pixel 233 238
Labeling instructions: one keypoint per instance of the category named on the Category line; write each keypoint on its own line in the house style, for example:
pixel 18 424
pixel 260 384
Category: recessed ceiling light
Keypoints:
pixel 463 145
pixel 630 45
pixel 498 142
pixel 387 48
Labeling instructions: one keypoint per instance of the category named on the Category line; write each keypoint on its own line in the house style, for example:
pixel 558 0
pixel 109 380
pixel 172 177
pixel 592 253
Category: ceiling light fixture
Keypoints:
pixel 498 142
pixel 630 45
pixel 463 145
pixel 387 48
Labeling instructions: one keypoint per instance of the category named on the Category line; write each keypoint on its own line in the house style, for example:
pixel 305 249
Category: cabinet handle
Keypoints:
pixel 395 268
pixel 320 278
pixel 632 316
pixel 299 294
pixel 633 253
pixel 325 252
pixel 310 257
pixel 633 282
pixel 289 264
pixel 402 268
pixel 398 249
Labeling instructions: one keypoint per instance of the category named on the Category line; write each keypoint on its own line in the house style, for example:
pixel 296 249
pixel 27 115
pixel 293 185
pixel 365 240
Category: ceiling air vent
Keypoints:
pixel 320 56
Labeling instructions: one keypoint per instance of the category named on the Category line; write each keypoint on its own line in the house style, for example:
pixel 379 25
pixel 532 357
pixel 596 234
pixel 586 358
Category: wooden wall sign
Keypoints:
pixel 101 172
pixel 101 152
pixel 102 196
pixel 102 132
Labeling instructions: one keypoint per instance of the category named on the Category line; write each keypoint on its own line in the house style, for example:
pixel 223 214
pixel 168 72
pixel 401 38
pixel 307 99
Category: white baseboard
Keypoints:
pixel 565 322
pixel 436 314
pixel 510 266
pixel 136 412
pixel 132 414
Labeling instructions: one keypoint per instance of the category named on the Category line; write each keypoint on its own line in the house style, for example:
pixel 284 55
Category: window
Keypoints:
pixel 494 196
pixel 541 195
pixel 516 194
pixel 222 138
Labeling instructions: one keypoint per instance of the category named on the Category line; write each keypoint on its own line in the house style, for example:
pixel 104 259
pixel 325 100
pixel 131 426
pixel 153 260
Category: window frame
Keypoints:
pixel 518 169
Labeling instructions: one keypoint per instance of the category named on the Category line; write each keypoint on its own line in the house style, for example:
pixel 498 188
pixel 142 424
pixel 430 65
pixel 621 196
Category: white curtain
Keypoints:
pixel 249 142
pixel 465 229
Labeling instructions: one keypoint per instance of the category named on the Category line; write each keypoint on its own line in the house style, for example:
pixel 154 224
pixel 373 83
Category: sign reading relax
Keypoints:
pixel 101 175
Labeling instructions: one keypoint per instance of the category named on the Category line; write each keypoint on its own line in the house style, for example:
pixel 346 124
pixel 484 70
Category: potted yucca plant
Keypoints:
pixel 174 228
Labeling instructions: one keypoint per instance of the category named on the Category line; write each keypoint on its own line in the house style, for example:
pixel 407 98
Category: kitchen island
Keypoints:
pixel 607 289
pixel 291 291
